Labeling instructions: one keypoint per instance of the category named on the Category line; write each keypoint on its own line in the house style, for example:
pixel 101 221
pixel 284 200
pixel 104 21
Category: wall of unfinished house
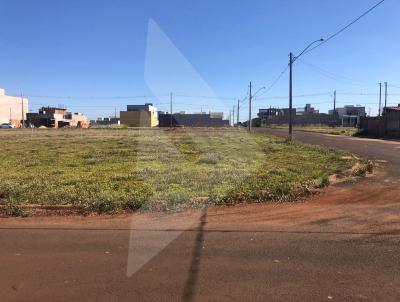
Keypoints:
pixel 136 118
pixel 80 121
pixel 11 108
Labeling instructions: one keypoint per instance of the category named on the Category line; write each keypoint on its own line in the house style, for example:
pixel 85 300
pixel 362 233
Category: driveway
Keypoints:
pixel 340 245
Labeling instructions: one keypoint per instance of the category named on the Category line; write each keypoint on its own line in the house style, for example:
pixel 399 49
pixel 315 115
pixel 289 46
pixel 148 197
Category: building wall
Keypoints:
pixel 137 119
pixel 191 120
pixel 393 123
pixel 13 105
pixel 381 126
pixel 79 120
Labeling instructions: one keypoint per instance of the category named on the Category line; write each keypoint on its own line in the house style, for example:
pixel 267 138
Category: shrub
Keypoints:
pixel 209 158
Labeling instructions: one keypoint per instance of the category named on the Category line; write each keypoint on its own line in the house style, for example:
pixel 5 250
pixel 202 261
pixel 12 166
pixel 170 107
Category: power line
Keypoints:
pixel 336 77
pixel 89 97
pixel 346 27
pixel 205 97
pixel 274 82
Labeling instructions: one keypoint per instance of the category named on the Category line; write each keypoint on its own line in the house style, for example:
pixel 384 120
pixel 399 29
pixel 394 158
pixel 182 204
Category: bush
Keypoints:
pixel 209 158
pixel 15 210
pixel 361 169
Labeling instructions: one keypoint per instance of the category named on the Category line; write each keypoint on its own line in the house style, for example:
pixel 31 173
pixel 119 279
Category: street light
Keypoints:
pixel 292 59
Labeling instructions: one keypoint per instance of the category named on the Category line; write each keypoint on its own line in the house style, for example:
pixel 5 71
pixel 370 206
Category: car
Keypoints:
pixel 7 126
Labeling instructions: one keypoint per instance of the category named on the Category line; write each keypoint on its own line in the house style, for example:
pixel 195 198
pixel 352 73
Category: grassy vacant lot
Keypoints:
pixel 112 170
pixel 348 131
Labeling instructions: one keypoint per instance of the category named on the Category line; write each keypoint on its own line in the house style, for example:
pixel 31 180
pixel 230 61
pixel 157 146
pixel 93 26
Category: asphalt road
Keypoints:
pixel 384 150
pixel 341 245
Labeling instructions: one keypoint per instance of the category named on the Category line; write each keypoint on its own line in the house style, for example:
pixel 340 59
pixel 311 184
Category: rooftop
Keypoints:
pixel 395 108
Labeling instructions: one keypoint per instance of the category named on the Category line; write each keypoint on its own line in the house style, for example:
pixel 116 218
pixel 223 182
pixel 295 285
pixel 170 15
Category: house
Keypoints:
pixel 349 115
pixel 12 109
pixel 106 121
pixel 53 117
pixel 192 120
pixel 140 116
pixel 272 115
pixel 307 110
pixel 303 116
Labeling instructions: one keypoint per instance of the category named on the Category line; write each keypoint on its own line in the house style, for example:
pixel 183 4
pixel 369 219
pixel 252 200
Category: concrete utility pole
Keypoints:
pixel 334 108
pixel 291 61
pixel 233 116
pixel 386 94
pixel 290 96
pixel 237 119
pixel 334 102
pixel 249 123
pixel 170 110
pixel 380 99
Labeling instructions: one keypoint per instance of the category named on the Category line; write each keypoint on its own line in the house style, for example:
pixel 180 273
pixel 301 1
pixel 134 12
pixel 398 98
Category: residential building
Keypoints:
pixel 270 115
pixel 349 110
pixel 349 115
pixel 12 109
pixel 106 121
pixel 140 116
pixel 53 117
pixel 307 110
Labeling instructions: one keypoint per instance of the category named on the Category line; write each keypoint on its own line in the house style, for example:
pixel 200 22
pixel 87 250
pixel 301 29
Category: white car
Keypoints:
pixel 7 126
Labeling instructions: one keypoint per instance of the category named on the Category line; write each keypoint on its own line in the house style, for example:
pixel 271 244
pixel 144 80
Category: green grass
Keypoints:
pixel 347 131
pixel 114 170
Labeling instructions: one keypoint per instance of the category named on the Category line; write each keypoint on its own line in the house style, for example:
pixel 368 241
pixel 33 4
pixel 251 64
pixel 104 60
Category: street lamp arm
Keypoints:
pixel 321 40
pixel 255 94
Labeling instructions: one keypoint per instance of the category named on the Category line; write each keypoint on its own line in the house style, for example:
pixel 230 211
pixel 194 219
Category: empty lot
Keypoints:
pixel 116 170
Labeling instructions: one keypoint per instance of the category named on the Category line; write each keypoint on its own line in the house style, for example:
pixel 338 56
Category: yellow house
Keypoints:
pixel 140 116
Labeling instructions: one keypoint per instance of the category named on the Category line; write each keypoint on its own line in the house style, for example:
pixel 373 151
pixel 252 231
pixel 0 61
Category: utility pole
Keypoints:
pixel 237 119
pixel 249 123
pixel 380 99
pixel 334 108
pixel 115 112
pixel 334 102
pixel 233 116
pixel 22 109
pixel 386 94
pixel 290 96
pixel 170 110
pixel 10 115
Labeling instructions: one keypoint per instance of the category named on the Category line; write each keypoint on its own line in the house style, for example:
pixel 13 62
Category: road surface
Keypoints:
pixel 340 245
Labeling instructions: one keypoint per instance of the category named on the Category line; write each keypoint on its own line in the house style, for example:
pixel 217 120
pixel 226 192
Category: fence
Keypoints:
pixel 383 126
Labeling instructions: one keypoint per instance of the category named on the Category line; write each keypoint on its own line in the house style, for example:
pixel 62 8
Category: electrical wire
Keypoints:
pixel 89 97
pixel 336 77
pixel 273 83
pixel 345 27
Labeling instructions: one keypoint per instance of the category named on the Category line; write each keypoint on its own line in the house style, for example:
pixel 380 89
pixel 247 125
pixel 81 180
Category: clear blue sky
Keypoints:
pixel 97 48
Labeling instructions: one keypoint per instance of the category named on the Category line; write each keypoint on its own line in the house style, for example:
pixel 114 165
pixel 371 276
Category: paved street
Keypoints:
pixel 340 245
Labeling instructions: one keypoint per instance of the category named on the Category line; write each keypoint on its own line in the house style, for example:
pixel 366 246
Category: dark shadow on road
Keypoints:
pixel 190 284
